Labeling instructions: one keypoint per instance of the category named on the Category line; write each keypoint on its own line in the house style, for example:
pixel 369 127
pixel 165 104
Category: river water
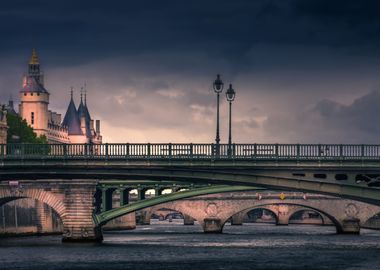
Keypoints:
pixel 174 246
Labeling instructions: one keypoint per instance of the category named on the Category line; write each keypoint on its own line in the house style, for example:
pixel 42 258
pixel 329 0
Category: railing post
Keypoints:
pixel 191 150
pixel 213 150
pixel 22 152
pixel 106 150
pixel 341 151
pixel 148 150
pixel 276 150
pixel 362 150
pixel 255 150
pixel 85 149
pixel 127 154
pixel 233 150
pixel 170 150
pixel 298 151
pixel 319 150
pixel 65 150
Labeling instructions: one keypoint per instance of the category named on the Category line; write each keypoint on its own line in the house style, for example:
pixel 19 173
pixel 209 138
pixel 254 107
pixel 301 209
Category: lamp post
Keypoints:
pixel 230 95
pixel 218 88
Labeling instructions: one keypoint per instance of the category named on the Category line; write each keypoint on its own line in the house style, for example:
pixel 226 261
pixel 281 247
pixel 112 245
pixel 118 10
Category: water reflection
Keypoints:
pixel 174 246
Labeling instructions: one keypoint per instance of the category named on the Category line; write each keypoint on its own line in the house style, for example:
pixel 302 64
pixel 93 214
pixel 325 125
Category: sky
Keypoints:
pixel 304 71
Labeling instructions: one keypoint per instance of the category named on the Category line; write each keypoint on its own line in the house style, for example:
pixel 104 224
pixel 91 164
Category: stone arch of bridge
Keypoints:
pixel 306 210
pixel 245 212
pixel 171 207
pixel 296 208
pixel 377 215
pixel 46 197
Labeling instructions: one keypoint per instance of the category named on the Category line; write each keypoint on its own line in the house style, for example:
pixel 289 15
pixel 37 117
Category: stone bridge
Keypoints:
pixel 213 211
pixel 75 202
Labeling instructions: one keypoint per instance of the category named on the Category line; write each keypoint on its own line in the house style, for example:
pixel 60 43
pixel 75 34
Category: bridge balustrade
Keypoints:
pixel 193 151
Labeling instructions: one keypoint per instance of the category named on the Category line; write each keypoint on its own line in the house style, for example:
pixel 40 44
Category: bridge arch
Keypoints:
pixel 320 215
pixel 47 197
pixel 171 207
pixel 372 222
pixel 246 212
pixel 296 208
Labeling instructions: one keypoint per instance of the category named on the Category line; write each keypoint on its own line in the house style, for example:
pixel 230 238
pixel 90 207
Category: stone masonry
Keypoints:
pixel 72 201
pixel 3 126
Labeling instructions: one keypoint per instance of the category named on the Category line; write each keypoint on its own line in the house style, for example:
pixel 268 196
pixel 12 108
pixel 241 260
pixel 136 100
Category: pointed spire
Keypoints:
pixel 85 93
pixel 34 59
pixel 81 95
pixel 10 105
pixel 10 102
pixel 71 92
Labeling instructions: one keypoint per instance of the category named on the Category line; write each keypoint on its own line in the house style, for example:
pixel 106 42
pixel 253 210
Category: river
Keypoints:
pixel 174 246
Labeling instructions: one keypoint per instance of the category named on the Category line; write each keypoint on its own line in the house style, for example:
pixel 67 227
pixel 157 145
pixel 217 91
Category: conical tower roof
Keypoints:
pixel 71 120
pixel 83 112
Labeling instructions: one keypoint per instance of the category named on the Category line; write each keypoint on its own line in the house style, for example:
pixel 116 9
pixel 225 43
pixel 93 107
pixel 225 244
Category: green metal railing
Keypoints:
pixel 193 151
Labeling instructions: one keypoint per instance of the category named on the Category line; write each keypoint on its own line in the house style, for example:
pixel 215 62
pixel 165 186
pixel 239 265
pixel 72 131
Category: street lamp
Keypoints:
pixel 218 88
pixel 230 95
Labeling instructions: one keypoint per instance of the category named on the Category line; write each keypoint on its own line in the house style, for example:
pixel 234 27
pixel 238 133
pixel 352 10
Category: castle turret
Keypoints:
pixel 34 98
pixel 74 123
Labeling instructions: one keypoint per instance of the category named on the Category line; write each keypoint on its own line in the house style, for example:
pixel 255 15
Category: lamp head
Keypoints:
pixel 230 94
pixel 218 84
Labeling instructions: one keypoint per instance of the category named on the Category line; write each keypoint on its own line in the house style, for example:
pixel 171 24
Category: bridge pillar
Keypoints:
pixel 283 213
pixel 157 192
pixel 212 225
pixel 141 194
pixel 349 226
pixel 144 218
pixel 188 220
pixel 282 220
pixel 79 225
pixel 237 219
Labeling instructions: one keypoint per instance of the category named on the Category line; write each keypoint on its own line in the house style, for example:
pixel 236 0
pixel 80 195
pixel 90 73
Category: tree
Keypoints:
pixel 20 132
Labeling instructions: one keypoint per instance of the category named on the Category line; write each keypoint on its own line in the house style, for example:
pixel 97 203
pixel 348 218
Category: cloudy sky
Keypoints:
pixel 303 70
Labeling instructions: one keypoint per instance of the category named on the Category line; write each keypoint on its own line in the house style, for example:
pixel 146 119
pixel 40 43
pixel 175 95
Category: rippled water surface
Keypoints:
pixel 174 246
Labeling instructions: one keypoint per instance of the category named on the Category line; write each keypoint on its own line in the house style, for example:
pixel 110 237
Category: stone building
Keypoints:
pixel 77 125
pixel 3 126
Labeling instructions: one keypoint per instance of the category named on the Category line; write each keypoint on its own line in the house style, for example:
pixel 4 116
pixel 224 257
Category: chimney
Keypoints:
pixel 92 126
pixel 98 126
pixel 83 125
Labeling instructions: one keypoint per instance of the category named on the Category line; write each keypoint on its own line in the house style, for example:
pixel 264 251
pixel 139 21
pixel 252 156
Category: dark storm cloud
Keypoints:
pixel 149 64
pixel 332 121
pixel 98 29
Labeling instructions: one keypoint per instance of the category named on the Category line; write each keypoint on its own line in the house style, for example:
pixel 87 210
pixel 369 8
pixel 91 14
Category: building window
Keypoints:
pixel 32 118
